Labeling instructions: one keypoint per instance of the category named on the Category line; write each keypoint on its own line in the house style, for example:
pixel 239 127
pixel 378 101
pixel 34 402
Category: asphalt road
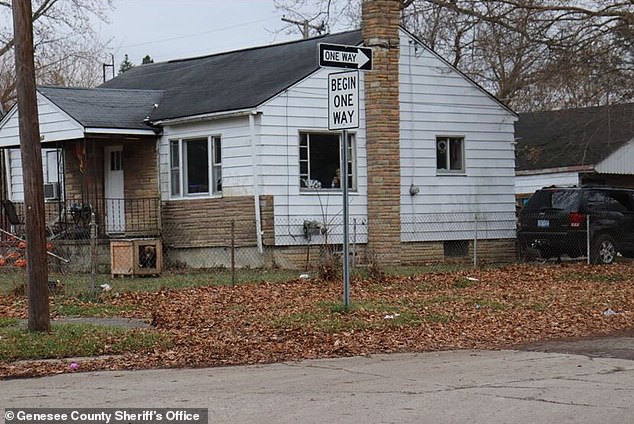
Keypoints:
pixel 436 387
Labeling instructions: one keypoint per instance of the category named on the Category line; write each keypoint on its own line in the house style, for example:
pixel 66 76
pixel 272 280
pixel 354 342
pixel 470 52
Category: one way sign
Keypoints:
pixel 350 57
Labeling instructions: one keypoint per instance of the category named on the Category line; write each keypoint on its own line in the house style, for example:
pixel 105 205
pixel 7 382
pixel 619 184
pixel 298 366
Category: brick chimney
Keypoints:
pixel 380 31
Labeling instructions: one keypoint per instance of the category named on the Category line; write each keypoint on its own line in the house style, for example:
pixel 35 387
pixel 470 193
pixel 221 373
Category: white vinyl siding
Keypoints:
pixel 303 108
pixel 619 162
pixel 527 184
pixel 55 124
pixel 437 101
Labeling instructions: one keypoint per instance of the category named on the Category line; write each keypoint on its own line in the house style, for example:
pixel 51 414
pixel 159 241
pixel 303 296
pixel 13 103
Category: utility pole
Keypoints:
pixel 305 26
pixel 108 65
pixel 36 268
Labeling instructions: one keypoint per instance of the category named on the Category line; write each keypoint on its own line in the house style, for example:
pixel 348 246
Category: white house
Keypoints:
pixel 242 136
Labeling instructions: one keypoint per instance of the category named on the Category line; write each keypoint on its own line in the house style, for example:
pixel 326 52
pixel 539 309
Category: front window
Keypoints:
pixel 52 173
pixel 52 165
pixel 320 161
pixel 450 154
pixel 196 166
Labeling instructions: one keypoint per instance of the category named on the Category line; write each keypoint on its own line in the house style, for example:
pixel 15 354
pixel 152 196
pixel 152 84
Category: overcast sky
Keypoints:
pixel 172 29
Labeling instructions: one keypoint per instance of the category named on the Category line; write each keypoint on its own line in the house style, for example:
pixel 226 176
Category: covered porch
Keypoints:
pixel 113 182
pixel 99 160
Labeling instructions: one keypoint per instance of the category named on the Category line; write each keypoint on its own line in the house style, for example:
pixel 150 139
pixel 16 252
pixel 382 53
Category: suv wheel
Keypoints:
pixel 603 250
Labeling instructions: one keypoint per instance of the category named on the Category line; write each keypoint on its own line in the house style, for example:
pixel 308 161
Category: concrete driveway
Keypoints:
pixel 437 387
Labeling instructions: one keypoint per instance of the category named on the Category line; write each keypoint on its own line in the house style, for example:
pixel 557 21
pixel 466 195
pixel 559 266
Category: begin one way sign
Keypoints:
pixel 343 100
pixel 343 87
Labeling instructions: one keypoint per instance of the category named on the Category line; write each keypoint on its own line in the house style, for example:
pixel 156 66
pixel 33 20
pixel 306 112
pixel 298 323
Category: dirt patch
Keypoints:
pixel 619 344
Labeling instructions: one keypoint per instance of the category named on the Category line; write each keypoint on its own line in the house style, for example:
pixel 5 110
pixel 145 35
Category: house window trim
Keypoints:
pixel 352 157
pixel 449 172
pixel 211 167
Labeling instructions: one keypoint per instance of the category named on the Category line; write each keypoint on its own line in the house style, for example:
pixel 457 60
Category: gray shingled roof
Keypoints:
pixel 572 137
pixel 96 107
pixel 228 81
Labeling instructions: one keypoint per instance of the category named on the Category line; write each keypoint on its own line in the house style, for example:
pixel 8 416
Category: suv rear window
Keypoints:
pixel 565 200
pixel 616 201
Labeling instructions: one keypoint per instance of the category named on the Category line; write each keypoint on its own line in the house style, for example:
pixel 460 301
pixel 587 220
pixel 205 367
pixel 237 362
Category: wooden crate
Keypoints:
pixel 136 257
pixel 121 257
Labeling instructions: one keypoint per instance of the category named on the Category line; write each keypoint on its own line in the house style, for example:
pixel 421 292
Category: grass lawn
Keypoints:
pixel 201 320
pixel 77 340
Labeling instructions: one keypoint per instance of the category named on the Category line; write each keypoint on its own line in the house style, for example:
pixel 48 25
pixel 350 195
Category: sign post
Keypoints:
pixel 343 114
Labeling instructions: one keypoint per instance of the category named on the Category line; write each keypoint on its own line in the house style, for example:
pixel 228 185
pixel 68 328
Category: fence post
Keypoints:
pixel 354 242
pixel 233 252
pixel 93 252
pixel 588 238
pixel 475 241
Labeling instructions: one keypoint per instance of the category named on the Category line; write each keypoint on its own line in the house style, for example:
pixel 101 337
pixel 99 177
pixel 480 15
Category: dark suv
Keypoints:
pixel 554 221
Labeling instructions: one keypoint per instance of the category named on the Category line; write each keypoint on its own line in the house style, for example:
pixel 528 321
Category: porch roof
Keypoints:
pixel 99 108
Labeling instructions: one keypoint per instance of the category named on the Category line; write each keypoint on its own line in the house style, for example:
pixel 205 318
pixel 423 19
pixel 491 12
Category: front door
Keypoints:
pixel 113 188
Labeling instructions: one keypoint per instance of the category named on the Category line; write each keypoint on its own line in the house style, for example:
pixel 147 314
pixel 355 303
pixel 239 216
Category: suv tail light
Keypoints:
pixel 576 219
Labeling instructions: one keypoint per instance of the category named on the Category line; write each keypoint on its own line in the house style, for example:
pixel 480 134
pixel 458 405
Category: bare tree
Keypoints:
pixel 67 50
pixel 532 54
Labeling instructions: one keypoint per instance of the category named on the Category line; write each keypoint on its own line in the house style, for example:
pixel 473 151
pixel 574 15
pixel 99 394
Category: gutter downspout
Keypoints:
pixel 256 180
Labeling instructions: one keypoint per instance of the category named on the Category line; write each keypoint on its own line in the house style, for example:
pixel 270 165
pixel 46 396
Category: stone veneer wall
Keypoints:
pixel 141 189
pixel 418 253
pixel 489 251
pixel 207 222
pixel 83 186
pixel 140 182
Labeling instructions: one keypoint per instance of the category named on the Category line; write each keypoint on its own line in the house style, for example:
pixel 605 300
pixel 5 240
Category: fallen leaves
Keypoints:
pixel 269 322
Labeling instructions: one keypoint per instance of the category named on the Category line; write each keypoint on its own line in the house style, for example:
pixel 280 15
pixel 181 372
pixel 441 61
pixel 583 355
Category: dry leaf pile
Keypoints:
pixel 268 322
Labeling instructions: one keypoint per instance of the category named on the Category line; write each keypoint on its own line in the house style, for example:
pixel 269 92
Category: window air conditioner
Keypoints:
pixel 51 191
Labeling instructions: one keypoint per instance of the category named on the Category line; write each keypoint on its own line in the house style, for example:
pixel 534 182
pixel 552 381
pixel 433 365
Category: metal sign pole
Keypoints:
pixel 346 235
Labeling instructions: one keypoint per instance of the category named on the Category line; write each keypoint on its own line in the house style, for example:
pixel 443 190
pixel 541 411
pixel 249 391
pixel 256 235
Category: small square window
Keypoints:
pixel 450 154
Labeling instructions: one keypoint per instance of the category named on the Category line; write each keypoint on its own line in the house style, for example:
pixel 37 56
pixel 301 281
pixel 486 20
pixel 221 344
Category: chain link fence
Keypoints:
pixel 305 245
pixel 282 243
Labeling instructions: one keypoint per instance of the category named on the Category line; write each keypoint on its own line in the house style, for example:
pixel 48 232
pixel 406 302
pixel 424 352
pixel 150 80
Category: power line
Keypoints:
pixel 180 37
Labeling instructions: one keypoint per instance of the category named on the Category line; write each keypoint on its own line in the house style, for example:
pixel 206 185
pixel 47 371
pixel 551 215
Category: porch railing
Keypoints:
pixel 70 219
